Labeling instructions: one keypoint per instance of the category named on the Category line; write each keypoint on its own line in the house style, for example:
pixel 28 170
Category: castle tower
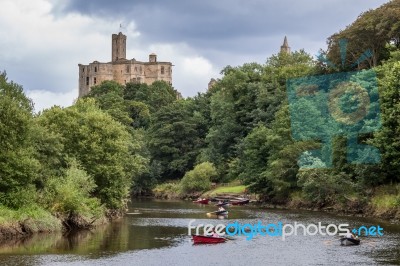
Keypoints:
pixel 153 58
pixel 285 47
pixel 118 46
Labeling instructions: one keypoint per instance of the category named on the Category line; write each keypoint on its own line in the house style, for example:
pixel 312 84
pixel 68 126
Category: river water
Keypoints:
pixel 155 232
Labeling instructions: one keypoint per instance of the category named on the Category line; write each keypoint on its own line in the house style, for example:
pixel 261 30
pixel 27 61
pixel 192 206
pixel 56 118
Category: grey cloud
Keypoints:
pixel 218 24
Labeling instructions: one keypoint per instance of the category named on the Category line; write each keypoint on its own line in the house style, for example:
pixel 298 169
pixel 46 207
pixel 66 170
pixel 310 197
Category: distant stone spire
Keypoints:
pixel 285 47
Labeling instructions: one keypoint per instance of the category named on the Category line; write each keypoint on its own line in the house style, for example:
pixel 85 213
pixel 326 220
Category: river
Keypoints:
pixel 154 232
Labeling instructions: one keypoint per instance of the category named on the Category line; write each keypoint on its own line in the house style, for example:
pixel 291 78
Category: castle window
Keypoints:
pixel 87 81
pixel 94 81
pixel 95 69
pixel 83 69
pixel 162 70
pixel 135 69
pixel 127 69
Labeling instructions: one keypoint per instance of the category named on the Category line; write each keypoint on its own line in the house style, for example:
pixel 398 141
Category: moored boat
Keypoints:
pixel 222 204
pixel 201 201
pixel 345 241
pixel 197 239
pixel 240 202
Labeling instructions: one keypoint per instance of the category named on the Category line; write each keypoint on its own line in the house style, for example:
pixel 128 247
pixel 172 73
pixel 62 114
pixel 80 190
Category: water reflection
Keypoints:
pixel 156 231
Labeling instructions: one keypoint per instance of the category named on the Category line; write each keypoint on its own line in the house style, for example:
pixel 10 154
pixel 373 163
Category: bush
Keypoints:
pixel 19 197
pixel 386 197
pixel 70 194
pixel 198 179
pixel 323 187
pixel 167 190
pixel 103 147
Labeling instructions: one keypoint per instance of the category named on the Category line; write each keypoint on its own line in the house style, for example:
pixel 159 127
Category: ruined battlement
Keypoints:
pixel 122 70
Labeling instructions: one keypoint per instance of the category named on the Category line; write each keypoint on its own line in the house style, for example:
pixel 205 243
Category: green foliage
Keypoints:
pixel 198 179
pixel 71 193
pixel 35 218
pixel 102 146
pixel 18 167
pixel 175 138
pixel 156 95
pixel 131 137
pixel 323 188
pixel 373 30
pixel 387 138
pixel 167 190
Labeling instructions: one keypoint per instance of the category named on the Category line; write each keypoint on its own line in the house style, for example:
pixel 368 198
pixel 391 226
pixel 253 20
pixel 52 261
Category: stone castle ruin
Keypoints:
pixel 123 70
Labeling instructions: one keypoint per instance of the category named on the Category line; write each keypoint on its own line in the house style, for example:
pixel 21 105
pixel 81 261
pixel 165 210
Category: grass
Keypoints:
pixel 34 218
pixel 236 189
pixel 167 190
pixel 386 199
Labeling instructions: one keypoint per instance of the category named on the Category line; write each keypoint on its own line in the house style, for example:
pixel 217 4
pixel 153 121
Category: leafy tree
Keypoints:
pixel 373 30
pixel 101 146
pixel 198 179
pixel 109 96
pixel 155 96
pixel 18 166
pixel 175 138
pixel 71 194
pixel 387 137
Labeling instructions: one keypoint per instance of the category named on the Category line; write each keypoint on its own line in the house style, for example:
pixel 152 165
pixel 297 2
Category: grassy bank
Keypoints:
pixel 383 202
pixel 34 219
pixel 25 221
pixel 227 189
pixel 173 190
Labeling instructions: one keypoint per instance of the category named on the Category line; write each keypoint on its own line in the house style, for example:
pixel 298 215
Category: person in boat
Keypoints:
pixel 351 235
pixel 221 209
pixel 220 202
pixel 214 234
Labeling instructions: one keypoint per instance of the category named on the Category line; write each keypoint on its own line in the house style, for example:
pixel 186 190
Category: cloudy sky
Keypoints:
pixel 43 41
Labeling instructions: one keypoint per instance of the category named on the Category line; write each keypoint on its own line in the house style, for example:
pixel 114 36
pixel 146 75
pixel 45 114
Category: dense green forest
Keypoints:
pixel 80 162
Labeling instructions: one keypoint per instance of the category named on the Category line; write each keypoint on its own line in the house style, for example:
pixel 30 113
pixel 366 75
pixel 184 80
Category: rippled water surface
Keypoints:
pixel 154 232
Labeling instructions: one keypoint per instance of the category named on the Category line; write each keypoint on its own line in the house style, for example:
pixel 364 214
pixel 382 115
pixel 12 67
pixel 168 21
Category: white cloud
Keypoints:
pixel 41 50
pixel 191 71
pixel 46 99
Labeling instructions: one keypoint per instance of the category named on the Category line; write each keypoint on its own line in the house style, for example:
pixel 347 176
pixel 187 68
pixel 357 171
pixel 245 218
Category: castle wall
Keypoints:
pixel 122 70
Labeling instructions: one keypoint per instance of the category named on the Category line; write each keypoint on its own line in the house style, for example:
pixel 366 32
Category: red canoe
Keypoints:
pixel 240 202
pixel 201 201
pixel 207 240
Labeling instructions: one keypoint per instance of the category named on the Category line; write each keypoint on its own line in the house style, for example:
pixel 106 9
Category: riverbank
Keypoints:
pixel 353 208
pixel 383 202
pixel 31 220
